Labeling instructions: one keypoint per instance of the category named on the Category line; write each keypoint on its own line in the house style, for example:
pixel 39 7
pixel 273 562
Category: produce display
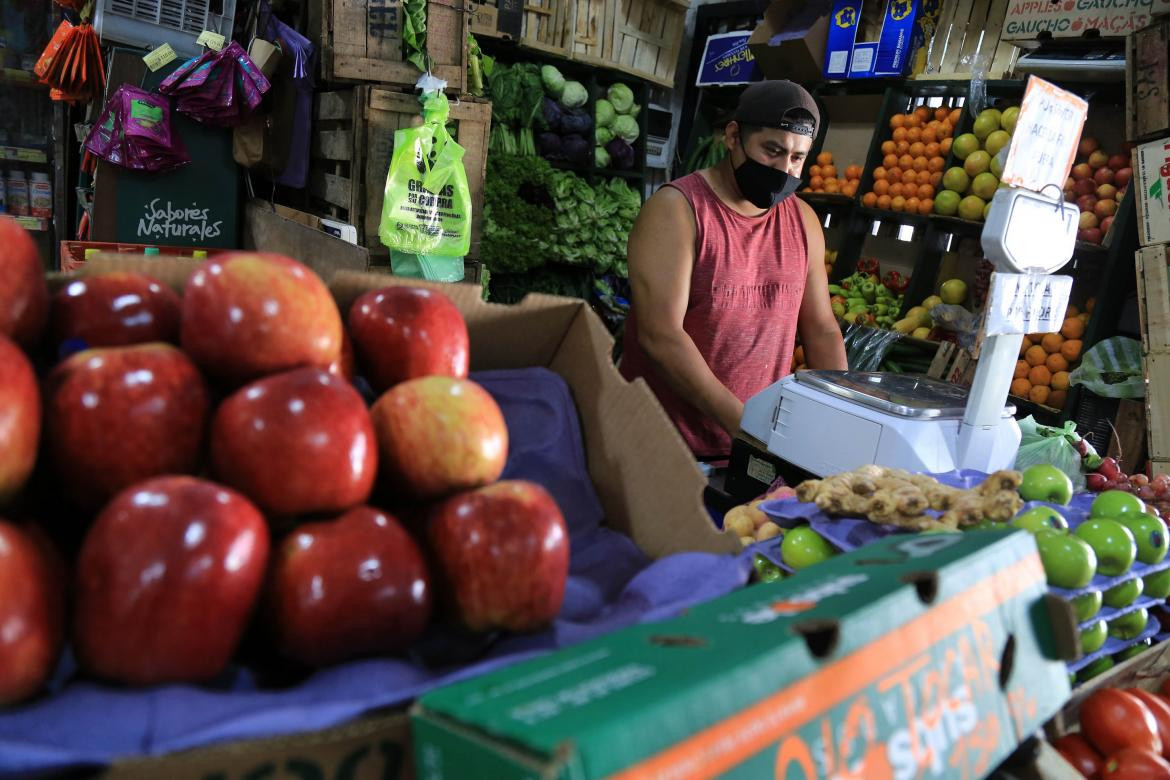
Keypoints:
pixel 1106 474
pixel 967 189
pixel 867 297
pixel 749 524
pixel 830 261
pixel 1098 182
pixel 1124 735
pixel 823 177
pixel 708 152
pixel 616 117
pixel 1042 372
pixel 913 158
pixel 564 122
pixel 517 93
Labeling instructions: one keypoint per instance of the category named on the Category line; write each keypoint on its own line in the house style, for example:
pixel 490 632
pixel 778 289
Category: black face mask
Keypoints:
pixel 763 186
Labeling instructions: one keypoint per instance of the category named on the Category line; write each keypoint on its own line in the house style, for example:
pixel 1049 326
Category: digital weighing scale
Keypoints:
pixel 826 422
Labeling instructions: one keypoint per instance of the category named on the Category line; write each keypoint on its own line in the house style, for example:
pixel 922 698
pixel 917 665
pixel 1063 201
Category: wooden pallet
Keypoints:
pixel 1147 94
pixel 361 40
pixel 967 30
pixel 1153 294
pixel 353 138
pixel 546 25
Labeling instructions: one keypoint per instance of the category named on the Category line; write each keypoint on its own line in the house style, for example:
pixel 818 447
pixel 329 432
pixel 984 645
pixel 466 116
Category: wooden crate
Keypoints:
pixel 964 31
pixel 1153 294
pixel 593 22
pixel 361 40
pixel 647 38
pixel 353 137
pixel 545 26
pixel 1147 93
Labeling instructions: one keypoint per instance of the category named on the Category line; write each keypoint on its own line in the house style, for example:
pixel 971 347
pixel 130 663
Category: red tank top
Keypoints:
pixel 746 287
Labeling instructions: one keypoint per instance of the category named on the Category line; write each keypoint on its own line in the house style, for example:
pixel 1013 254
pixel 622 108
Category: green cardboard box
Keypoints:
pixel 919 656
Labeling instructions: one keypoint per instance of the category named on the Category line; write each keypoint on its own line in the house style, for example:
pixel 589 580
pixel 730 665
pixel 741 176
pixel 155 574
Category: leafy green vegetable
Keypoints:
pixel 601 157
pixel 604 113
pixel 414 33
pixel 602 136
pixel 626 128
pixel 517 95
pixel 479 65
pixel 622 98
pixel 574 95
pixel 554 82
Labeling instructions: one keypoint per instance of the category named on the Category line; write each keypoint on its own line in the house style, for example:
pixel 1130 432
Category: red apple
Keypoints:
pixel 1118 161
pixel 20 419
pixel 1085 187
pixel 1105 209
pixel 439 435
pixel 246 315
pixel 166 581
pixel 1106 224
pixel 1106 192
pixel 345 365
pixel 1119 196
pixel 32 614
pixel 1087 146
pixel 347 588
pixel 1069 183
pixel 1103 176
pixel 403 333
pixel 113 310
pixel 1082 171
pixel 502 554
pixel 1122 177
pixel 1088 219
pixel 1089 235
pixel 117 415
pixel 295 443
pixel 24 296
pixel 1098 159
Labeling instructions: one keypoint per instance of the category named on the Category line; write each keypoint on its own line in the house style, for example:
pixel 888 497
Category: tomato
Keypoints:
pixel 1113 719
pixel 1078 752
pixel 1160 709
pixel 1135 764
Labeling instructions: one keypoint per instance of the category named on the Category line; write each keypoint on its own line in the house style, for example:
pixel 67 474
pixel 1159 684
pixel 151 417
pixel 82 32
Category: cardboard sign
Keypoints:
pixel 1027 303
pixel 1044 143
pixel 1151 172
pixel 160 57
pixel 211 40
pixel 1026 19
pixel 727 60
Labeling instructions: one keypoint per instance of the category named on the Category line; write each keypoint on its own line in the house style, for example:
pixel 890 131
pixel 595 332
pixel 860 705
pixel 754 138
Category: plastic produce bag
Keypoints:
pixel 426 209
pixel 1112 369
pixel 436 268
pixel 1045 444
pixel 866 347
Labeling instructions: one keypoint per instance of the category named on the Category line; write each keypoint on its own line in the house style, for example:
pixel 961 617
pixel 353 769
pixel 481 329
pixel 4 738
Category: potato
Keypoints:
pixel 758 517
pixel 768 530
pixel 746 540
pixel 739 521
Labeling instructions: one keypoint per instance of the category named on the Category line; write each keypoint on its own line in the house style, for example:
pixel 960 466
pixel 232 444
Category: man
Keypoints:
pixel 726 268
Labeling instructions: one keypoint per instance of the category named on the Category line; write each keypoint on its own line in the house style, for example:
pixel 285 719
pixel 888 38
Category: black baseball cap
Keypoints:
pixel 778 104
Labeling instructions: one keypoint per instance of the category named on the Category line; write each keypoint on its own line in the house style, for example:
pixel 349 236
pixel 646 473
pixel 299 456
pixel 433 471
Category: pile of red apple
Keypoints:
pixel 1124 735
pixel 204 464
pixel 1097 185
pixel 1154 492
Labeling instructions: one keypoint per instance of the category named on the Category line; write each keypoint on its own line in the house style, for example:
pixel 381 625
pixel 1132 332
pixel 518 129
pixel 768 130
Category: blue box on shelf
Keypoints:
pixel 854 51
pixel 727 60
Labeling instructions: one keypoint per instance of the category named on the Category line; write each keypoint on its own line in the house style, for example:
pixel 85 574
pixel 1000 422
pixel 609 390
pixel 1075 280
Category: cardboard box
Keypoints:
pixel 1151 177
pixel 918 655
pixel 865 42
pixel 276 228
pixel 1027 19
pixel 790 42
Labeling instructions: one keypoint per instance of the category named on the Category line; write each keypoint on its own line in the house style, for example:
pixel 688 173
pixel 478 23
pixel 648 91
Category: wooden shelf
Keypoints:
pixel 23 154
pixel 20 78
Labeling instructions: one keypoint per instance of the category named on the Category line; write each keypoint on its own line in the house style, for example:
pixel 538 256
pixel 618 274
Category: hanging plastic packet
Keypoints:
pixel 220 89
pixel 426 209
pixel 134 131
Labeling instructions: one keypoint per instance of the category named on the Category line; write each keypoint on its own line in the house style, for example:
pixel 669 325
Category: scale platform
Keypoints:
pixel 826 422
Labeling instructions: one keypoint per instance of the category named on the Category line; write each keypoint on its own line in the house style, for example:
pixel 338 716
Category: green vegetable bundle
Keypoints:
pixel 517 92
pixel 479 67
pixel 709 151
pixel 593 225
pixel 414 33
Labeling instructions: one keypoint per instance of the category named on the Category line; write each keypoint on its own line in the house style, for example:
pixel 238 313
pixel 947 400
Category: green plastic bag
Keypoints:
pixel 1112 369
pixel 426 209
pixel 436 268
pixel 1045 444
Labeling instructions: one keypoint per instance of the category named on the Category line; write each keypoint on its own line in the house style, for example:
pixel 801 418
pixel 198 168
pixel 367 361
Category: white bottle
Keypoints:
pixel 17 194
pixel 40 196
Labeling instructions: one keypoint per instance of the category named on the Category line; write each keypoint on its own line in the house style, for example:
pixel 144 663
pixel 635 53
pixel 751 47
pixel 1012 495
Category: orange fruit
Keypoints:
pixel 941 113
pixel 1021 387
pixel 832 186
pixel 890 161
pixel 920 163
pixel 925 205
pixel 925 191
pixel 931 150
pixel 897 120
pixel 1025 345
pixel 1073 328
pixel 898 203
pixel 944 146
pixel 825 158
pixel 887 147
pixel 923 178
pixel 914 135
pixel 1072 311
pixel 881 187
pixel 936 164
pixel 917 149
pixel 828 171
pixel 905 162
pixel 929 134
pixel 913 121
pixel 1036 355
pixel 898 134
pixel 923 113
pixel 1039 394
pixel 910 177
pixel 954 117
pixel 1071 350
pixel 1056 363
pixel 901 148
pixel 896 190
pixel 850 187
pixel 869 200
pixel 1022 369
pixel 883 202
pixel 1059 380
pixel 935 178
pixel 1051 342
pixel 879 173
pixel 853 172
pixel 1040 375
pixel 815 170
pixel 1057 398
pixel 912 205
pixel 816 182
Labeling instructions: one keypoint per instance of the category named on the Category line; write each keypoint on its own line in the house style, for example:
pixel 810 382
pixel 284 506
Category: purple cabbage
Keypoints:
pixel 621 154
pixel 576 148
pixel 576 122
pixel 550 147
pixel 552 115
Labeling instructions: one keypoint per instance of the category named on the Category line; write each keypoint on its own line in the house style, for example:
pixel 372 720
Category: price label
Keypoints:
pixel 211 40
pixel 159 57
pixel 1027 303
pixel 1045 140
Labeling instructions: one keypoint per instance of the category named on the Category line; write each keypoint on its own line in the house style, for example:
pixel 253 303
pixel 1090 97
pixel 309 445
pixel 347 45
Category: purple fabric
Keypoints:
pixel 300 48
pixel 611 585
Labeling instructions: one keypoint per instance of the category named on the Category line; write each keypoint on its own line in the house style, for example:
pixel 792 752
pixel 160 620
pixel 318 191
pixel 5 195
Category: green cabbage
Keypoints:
pixel 622 98
pixel 601 157
pixel 602 135
pixel 604 113
pixel 554 82
pixel 626 128
pixel 574 95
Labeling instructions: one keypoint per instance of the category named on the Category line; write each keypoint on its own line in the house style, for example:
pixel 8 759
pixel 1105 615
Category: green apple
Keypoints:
pixel 1093 638
pixel 1134 650
pixel 803 547
pixel 1045 482
pixel 1113 543
pixel 1158 584
pixel 1098 667
pixel 1130 625
pixel 1087 605
pixel 953 291
pixel 1069 562
pixel 1114 503
pixel 1124 594
pixel 1150 534
pixel 1007 119
pixel 1040 518
pixel 986 525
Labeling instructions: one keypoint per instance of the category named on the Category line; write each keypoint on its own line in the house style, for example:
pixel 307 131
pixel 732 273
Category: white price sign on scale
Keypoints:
pixel 1045 140
pixel 1026 303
